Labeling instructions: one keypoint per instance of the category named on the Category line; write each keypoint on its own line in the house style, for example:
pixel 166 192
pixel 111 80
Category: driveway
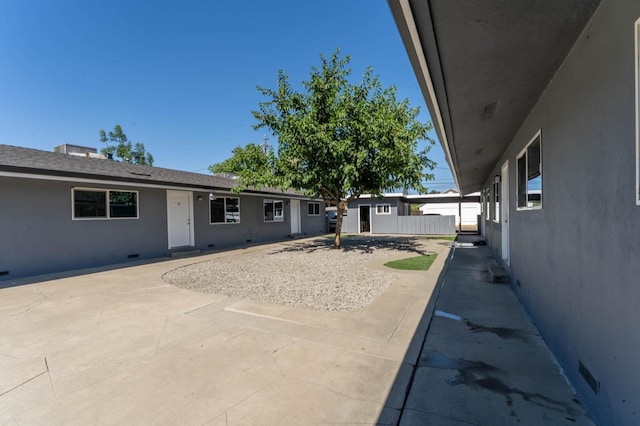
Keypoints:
pixel 123 346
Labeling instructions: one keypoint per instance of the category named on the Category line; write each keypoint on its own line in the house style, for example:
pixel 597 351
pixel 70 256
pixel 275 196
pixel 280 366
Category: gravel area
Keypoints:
pixel 309 274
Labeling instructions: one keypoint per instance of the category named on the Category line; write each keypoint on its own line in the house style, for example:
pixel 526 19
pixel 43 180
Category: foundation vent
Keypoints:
pixel 133 256
pixel 4 273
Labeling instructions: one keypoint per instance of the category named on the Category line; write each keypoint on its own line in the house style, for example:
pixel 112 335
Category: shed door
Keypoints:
pixel 364 214
pixel 179 218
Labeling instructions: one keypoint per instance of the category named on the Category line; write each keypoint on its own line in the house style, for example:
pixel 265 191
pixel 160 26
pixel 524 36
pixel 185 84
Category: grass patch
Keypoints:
pixel 441 237
pixel 419 263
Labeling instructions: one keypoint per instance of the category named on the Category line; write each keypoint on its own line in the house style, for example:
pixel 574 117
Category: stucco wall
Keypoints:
pixel 252 227
pixel 576 262
pixel 39 236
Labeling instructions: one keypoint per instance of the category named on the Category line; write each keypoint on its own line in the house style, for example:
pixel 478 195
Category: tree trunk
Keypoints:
pixel 342 206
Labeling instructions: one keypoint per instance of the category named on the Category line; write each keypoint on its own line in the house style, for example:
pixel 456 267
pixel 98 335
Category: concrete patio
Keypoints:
pixel 121 346
pixel 444 347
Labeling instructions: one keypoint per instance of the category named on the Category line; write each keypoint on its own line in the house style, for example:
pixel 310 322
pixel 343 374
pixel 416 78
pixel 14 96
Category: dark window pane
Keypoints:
pixel 533 159
pixel 522 181
pixel 217 210
pixel 123 204
pixel 89 204
pixel 268 211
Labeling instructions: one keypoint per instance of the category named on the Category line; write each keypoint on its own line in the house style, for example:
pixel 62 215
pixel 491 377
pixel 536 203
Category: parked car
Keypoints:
pixel 332 220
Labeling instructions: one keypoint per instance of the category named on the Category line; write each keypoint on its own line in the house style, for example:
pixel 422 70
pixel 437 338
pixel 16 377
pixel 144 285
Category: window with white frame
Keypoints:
pixel 224 210
pixel 383 208
pixel 487 203
pixel 637 43
pixel 496 200
pixel 313 209
pixel 273 210
pixel 104 204
pixel 529 175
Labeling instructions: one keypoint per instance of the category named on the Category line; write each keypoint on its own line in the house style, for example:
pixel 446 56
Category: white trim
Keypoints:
pixel 191 222
pixel 496 201
pixel 487 204
pixel 107 204
pixel 383 212
pixel 225 212
pixel 313 203
pixel 504 210
pixel 370 218
pixel 273 201
pixel 522 152
pixel 637 63
pixel 142 185
pixel 295 218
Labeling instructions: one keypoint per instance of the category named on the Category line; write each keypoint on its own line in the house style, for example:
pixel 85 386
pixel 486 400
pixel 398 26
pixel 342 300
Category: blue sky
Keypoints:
pixel 180 77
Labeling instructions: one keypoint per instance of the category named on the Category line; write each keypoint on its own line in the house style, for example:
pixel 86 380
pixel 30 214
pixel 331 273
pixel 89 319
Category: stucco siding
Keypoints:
pixel 251 229
pixel 39 235
pixel 576 262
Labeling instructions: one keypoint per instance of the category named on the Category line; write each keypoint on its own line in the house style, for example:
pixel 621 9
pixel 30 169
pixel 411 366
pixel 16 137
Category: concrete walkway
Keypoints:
pixel 483 362
pixel 120 346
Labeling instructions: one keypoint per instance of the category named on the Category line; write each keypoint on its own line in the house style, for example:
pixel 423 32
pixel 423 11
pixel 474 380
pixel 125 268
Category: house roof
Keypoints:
pixel 26 161
pixel 482 66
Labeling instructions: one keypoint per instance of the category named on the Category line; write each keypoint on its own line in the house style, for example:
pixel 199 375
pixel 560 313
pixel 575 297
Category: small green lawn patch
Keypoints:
pixel 419 263
pixel 441 237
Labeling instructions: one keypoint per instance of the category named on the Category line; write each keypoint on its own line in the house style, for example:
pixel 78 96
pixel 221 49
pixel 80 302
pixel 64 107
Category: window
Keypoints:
pixel 104 204
pixel 487 201
pixel 637 111
pixel 313 209
pixel 273 211
pixel 529 163
pixel 224 210
pixel 383 208
pixel 496 200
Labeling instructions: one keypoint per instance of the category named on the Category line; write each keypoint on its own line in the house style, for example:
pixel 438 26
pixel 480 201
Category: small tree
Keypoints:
pixel 123 149
pixel 336 140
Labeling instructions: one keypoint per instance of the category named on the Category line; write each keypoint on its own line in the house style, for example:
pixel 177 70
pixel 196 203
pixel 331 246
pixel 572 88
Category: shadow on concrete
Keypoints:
pixel 392 411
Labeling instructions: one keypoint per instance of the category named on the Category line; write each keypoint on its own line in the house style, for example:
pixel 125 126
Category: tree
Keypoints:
pixel 123 148
pixel 336 140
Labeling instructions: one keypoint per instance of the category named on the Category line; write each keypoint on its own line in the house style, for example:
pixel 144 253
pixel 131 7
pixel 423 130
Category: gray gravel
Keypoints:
pixel 309 274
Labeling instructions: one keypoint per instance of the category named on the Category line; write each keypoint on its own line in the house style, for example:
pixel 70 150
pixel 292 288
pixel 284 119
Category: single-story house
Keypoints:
pixel 61 212
pixel 391 214
pixel 537 106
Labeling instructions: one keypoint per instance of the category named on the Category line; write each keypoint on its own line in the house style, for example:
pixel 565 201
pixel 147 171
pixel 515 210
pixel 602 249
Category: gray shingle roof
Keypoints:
pixel 33 161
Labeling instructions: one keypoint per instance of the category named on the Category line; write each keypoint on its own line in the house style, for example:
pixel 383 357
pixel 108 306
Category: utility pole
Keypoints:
pixel 265 145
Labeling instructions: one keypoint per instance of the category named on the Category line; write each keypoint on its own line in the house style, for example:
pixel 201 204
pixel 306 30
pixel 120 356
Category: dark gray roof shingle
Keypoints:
pixel 33 161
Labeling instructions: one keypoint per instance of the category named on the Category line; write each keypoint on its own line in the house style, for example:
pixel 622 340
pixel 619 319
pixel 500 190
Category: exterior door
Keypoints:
pixel 180 218
pixel 295 216
pixel 364 219
pixel 504 211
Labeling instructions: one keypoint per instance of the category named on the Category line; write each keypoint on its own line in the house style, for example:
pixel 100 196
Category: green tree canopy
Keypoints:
pixel 336 140
pixel 123 149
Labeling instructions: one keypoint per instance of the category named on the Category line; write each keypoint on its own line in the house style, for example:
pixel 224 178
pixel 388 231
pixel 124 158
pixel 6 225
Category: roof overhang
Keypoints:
pixel 482 66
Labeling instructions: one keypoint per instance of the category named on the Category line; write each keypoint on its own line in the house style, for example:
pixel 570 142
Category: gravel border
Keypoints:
pixel 309 274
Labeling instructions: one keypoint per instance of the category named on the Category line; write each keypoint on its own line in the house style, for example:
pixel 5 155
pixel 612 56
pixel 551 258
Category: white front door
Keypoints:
pixel 295 216
pixel 504 211
pixel 179 218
